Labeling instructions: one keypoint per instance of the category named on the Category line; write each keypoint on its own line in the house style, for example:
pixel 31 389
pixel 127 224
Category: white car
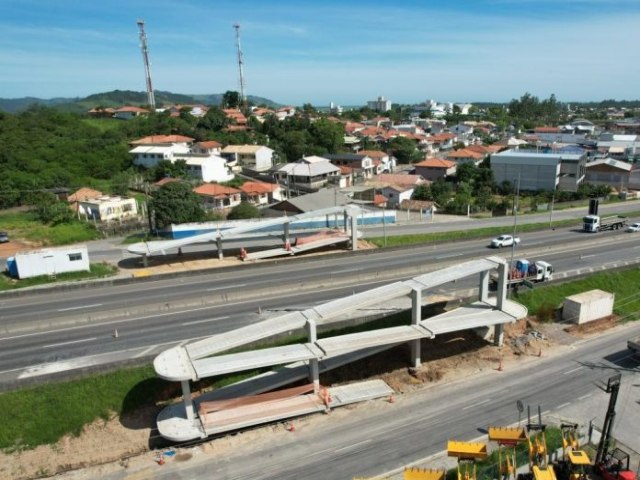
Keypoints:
pixel 634 227
pixel 505 241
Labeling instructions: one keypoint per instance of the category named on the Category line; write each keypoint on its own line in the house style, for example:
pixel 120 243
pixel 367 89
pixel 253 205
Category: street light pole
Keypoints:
pixel 553 198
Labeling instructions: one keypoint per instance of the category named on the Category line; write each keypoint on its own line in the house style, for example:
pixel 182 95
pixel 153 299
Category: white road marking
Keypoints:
pixel 585 396
pixel 79 308
pixel 227 287
pixel 487 400
pixel 144 352
pixel 348 447
pixel 563 405
pixel 572 370
pixel 449 256
pixel 195 322
pixel 53 345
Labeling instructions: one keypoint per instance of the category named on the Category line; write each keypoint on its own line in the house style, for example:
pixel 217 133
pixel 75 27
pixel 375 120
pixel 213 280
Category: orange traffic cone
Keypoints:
pixel 161 459
pixel 292 427
pixel 392 399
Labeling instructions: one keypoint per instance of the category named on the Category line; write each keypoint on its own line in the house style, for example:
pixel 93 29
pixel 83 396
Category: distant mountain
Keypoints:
pixel 118 98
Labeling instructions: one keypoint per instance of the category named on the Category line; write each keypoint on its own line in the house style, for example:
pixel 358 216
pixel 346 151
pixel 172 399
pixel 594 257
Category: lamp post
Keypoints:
pixel 553 198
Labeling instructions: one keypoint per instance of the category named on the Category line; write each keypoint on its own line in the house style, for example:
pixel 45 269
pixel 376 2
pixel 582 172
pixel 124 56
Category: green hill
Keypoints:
pixel 117 98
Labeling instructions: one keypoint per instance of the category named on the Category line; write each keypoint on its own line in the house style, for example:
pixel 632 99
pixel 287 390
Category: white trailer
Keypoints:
pixel 49 261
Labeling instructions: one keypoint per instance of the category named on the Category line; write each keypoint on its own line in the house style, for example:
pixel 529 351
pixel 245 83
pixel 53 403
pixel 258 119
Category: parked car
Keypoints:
pixel 4 237
pixel 504 241
pixel 634 227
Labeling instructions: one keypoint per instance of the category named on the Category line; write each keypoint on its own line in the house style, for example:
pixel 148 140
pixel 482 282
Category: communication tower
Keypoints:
pixel 240 64
pixel 151 99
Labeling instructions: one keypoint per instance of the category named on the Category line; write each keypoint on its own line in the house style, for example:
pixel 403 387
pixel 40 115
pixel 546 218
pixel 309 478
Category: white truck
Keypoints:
pixel 505 241
pixel 596 223
pixel 523 271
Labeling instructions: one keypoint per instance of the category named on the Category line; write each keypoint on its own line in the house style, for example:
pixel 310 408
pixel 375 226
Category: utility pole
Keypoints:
pixel 243 100
pixel 151 99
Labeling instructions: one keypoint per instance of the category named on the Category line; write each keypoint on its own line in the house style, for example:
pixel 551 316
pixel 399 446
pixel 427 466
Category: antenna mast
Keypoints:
pixel 240 64
pixel 151 99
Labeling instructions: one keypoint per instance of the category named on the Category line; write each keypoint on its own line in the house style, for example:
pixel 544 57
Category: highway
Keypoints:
pixel 62 329
pixel 380 437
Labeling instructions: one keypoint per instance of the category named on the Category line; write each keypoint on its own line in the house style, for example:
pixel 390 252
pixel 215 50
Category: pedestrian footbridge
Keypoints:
pixel 246 403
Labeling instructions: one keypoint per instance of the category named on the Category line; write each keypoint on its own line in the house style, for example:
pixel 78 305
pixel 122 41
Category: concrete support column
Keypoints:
pixel 354 232
pixel 498 335
pixel 145 261
pixel 314 371
pixel 483 295
pixel 346 219
pixel 219 245
pixel 501 297
pixel 188 403
pixel 285 237
pixel 416 314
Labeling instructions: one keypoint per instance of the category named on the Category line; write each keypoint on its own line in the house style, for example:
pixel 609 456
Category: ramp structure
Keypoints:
pixel 350 213
pixel 206 358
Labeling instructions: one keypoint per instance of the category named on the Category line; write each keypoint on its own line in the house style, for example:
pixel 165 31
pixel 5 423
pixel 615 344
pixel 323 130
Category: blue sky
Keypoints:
pixel 324 51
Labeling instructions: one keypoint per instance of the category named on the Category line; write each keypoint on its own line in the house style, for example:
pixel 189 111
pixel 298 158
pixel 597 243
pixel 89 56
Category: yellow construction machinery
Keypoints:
pixel 575 462
pixel 507 439
pixel 539 468
pixel 415 473
pixel 467 454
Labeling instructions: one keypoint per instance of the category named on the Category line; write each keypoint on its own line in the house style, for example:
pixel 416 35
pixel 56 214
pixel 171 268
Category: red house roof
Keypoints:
pixel 215 190
pixel 436 163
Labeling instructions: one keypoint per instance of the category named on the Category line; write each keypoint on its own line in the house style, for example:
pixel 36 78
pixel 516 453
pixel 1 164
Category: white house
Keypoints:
pixel 254 157
pixel 309 172
pixel 50 261
pixel 107 208
pixel 208 168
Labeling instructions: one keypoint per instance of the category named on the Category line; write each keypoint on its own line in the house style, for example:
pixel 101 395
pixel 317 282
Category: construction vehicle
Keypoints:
pixel 508 439
pixel 575 462
pixel 612 464
pixel 467 454
pixel 539 467
pixel 595 223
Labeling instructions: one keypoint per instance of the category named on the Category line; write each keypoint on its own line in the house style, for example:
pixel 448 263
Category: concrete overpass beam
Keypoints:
pixel 416 316
pixel 498 335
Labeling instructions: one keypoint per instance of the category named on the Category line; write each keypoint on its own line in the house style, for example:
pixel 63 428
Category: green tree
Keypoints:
pixel 404 149
pixel 120 183
pixel 244 210
pixel 441 192
pixel 175 202
pixel 422 192
pixel 215 120
pixel 327 134
pixel 230 99
pixel 466 172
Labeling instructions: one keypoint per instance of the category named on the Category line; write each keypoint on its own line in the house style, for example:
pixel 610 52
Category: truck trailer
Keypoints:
pixel 596 223
pixel 523 271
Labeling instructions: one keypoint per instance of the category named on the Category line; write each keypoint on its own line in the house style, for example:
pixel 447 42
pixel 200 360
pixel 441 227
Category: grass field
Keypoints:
pixel 24 226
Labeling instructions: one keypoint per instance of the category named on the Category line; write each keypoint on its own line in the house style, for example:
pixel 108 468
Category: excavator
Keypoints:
pixel 539 467
pixel 467 454
pixel 508 439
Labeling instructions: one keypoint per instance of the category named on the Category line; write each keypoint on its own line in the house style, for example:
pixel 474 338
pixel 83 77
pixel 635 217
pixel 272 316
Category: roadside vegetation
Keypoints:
pixel 98 270
pixel 27 226
pixel 64 408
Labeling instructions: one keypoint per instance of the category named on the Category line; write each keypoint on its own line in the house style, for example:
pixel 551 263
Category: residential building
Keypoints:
pixel 309 173
pixel 261 193
pixel 379 105
pixel 608 171
pixel 539 171
pixel 466 155
pixel 127 113
pixel 361 165
pixel 208 147
pixel 82 195
pixel 396 187
pixel 254 157
pixel 442 141
pixel 285 112
pixel 382 161
pixel 435 168
pixel 235 115
pixel 108 208
pixel 218 197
